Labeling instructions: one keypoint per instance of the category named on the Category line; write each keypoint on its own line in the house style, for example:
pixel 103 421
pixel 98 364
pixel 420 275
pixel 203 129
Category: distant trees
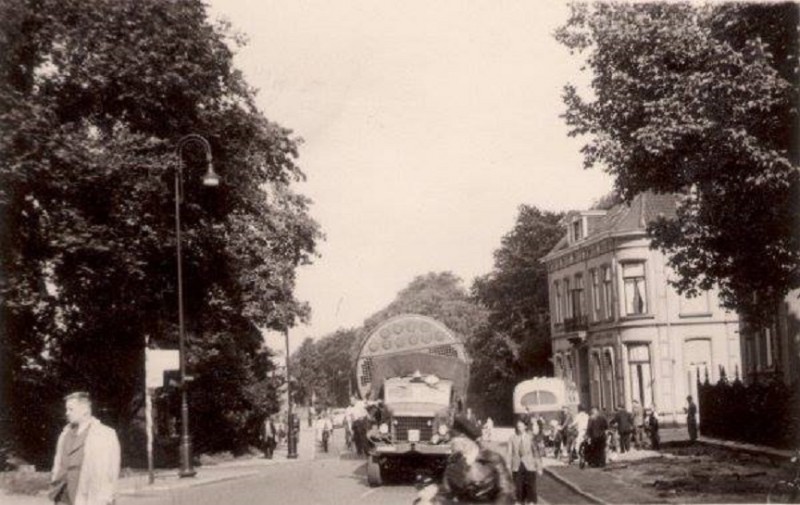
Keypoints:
pixel 323 368
pixel 93 96
pixel 701 99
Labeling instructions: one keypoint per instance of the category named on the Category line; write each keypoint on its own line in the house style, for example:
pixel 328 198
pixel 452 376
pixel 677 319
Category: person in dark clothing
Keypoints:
pixel 652 429
pixel 473 474
pixel 691 418
pixel 562 436
pixel 623 420
pixel 269 435
pixel 596 434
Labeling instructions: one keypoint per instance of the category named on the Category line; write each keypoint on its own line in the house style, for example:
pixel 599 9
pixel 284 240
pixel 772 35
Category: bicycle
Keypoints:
pixel 787 491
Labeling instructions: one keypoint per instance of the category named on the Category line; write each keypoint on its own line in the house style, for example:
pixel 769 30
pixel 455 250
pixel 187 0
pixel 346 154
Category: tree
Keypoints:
pixel 439 295
pixel 93 96
pixel 516 344
pixel 323 368
pixel 700 100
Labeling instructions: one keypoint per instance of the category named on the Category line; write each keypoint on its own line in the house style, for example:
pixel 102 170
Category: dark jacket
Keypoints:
pixel 624 421
pixel 597 427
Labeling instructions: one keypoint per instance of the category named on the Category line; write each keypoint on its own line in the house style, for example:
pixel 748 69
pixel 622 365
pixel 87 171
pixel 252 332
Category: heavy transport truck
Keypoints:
pixel 417 370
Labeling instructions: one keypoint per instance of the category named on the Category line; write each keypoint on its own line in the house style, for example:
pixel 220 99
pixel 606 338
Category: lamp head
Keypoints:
pixel 211 178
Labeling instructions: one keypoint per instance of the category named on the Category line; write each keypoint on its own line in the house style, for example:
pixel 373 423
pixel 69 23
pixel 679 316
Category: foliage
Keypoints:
pixel 93 97
pixel 700 100
pixel 516 345
pixel 322 369
pixel 439 295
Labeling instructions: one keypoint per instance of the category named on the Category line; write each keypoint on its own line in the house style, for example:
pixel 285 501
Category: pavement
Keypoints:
pixel 598 485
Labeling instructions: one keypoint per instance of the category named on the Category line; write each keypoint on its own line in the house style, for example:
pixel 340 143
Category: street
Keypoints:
pixel 329 478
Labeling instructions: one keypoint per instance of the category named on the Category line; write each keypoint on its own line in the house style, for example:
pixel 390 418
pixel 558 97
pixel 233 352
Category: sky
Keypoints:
pixel 425 125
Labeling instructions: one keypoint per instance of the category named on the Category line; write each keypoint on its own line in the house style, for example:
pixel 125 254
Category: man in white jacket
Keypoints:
pixel 87 461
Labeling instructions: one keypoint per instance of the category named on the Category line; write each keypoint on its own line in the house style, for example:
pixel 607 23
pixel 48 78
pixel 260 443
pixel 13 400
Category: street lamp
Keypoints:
pixel 210 179
pixel 291 441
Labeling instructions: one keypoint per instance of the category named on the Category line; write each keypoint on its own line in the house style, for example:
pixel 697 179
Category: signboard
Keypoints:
pixel 158 361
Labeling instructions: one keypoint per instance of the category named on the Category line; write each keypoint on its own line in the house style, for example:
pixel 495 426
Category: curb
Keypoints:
pixel 574 487
pixel 147 491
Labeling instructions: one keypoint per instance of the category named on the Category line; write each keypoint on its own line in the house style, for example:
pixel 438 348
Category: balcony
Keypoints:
pixel 575 324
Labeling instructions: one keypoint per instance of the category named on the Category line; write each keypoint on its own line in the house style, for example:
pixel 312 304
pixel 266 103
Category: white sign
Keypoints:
pixel 158 361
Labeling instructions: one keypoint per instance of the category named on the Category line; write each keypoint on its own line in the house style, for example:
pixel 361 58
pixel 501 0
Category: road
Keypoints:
pixel 331 478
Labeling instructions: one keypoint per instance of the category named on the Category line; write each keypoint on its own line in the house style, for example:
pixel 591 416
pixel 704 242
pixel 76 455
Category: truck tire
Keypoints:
pixel 374 478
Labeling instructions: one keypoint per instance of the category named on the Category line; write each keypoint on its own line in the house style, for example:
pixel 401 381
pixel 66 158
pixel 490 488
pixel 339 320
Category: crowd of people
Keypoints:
pixel 590 436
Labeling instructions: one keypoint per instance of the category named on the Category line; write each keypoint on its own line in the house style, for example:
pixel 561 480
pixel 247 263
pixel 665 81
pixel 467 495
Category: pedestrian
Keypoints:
pixel 327 431
pixel 579 425
pixel 565 438
pixel 269 434
pixel 638 424
pixel 525 460
pixel 691 418
pixel 360 420
pixel 652 429
pixel 623 421
pixel 596 434
pixel 87 460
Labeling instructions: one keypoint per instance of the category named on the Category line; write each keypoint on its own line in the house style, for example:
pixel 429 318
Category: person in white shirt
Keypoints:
pixel 581 423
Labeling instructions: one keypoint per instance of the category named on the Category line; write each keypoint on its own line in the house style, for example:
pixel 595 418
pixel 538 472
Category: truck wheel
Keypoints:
pixel 374 473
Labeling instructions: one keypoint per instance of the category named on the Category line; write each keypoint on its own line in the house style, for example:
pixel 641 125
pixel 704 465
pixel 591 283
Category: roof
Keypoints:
pixel 625 218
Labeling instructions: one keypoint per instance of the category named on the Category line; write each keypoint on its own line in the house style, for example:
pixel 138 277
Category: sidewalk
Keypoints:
pixel 602 487
pixel 168 480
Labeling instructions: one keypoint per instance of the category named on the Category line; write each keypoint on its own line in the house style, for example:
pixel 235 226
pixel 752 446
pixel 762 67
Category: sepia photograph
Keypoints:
pixel 268 252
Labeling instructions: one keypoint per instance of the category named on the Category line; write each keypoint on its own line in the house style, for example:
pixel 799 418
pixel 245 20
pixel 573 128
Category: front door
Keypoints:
pixel 585 378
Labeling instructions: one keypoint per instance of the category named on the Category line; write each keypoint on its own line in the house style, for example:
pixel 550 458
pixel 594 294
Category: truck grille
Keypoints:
pixel 413 423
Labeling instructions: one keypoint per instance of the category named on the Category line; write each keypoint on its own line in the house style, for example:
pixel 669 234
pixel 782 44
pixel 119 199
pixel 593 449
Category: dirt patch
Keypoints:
pixel 702 474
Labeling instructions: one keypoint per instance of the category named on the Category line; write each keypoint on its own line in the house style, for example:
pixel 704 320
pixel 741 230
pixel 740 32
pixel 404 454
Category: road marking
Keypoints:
pixel 367 493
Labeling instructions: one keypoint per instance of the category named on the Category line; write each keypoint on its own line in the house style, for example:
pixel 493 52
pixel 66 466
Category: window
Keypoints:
pixel 641 382
pixel 596 376
pixel 608 381
pixel 558 314
pixel 608 293
pixel 569 373
pixel 566 312
pixel 578 302
pixel 596 306
pixel 577 229
pixel 635 288
pixel 558 367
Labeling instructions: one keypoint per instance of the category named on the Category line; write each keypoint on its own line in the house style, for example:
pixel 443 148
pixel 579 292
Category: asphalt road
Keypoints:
pixel 329 479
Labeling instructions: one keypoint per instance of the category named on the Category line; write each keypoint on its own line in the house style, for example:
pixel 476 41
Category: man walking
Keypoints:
pixel 525 459
pixel 269 435
pixel 87 460
pixel 691 418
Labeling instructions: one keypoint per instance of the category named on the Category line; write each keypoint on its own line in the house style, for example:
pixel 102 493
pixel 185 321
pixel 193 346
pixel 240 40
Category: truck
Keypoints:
pixel 417 370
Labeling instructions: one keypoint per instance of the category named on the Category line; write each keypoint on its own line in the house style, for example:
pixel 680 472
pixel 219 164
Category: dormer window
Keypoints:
pixel 577 229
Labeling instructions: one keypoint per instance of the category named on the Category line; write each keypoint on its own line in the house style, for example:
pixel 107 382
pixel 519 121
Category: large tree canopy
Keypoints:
pixel 700 100
pixel 516 343
pixel 93 97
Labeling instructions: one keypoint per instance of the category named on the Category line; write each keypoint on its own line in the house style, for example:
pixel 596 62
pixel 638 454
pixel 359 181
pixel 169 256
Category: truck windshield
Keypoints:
pixel 404 390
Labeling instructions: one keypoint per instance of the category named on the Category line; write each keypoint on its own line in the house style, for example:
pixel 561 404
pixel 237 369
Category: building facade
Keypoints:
pixel 618 329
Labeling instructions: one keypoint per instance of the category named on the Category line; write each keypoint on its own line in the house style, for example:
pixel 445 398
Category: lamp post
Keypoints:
pixel 291 440
pixel 210 179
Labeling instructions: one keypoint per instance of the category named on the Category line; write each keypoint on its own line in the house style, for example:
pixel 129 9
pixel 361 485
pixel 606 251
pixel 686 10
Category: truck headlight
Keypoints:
pixel 442 429
pixel 384 428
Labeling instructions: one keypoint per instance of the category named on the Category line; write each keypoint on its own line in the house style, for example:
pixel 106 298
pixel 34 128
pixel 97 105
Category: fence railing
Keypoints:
pixel 577 323
pixel 764 412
